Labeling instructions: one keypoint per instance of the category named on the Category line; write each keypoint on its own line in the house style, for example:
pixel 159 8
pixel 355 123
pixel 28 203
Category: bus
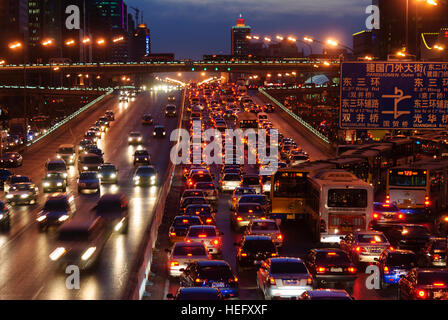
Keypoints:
pixel 247 120
pixel 420 187
pixel 343 203
pixel 358 166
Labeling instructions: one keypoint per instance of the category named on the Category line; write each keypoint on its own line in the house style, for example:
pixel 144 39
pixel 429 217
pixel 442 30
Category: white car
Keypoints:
pixel 265 227
pixel 184 253
pixel 229 182
pixel 283 278
pixel 364 246
pixel 208 235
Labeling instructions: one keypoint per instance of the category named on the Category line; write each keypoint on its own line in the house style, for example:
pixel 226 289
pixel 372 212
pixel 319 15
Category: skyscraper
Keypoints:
pixel 13 27
pixel 240 43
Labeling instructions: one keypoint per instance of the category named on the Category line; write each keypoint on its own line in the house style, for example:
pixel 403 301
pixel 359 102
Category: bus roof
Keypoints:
pixel 425 164
pixel 338 177
pixel 315 166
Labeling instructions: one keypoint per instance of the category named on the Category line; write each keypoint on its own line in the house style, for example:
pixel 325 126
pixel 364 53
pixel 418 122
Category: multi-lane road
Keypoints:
pixel 26 272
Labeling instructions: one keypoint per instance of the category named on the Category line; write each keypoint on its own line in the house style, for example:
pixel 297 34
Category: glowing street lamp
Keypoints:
pixel 280 38
pixel 308 39
pixel 292 39
pixel 332 43
pixel 118 39
pixel 101 42
pixel 439 47
pixel 70 42
pixel 15 45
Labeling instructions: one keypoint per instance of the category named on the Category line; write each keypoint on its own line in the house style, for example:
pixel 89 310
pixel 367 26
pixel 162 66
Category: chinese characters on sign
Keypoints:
pixel 394 95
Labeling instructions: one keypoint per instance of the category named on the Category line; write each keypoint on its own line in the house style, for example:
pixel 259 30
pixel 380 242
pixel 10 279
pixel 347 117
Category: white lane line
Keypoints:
pixel 165 290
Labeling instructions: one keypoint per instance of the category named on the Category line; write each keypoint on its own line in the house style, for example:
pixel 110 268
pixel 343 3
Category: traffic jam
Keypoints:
pixel 377 207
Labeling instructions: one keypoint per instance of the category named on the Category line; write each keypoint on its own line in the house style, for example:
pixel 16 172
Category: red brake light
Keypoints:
pixel 198 280
pixel 438 284
pixel 401 216
pixel 272 280
pixel 202 235
pixel 427 202
pixel 174 263
pixel 386 270
pixel 244 254
pixel 321 269
pixel 216 242
pixel 436 257
pixel 351 270
pixel 173 234
pixel 376 216
pixel 279 237
pixel 239 219
pixel 422 294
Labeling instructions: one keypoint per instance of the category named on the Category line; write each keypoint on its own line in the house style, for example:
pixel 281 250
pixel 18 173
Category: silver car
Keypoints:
pixel 364 246
pixel 184 253
pixel 283 278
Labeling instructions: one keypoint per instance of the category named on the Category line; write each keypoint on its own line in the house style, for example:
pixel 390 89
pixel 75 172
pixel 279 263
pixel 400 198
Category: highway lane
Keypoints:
pixel 26 271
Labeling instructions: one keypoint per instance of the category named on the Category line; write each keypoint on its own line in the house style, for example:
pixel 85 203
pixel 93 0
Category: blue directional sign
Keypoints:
pixel 394 95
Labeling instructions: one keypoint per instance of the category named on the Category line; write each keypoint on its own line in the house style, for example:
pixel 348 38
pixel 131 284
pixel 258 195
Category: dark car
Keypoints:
pixel 170 111
pixel 331 266
pixel 88 181
pixel 94 150
pixel 4 175
pixel 145 176
pixel 211 273
pixel 407 236
pixel 54 182
pixel 191 200
pixel 5 219
pixel 204 211
pixel 159 132
pixel 424 284
pixel 110 115
pixel 57 209
pixel 394 264
pixel 83 144
pixel 434 252
pixel 13 179
pixel 113 208
pixel 384 213
pixel 11 159
pixel 253 250
pixel 181 224
pixel 147 119
pixel 142 157
pixel 268 108
pixel 89 162
pixel 196 293
pixel 108 173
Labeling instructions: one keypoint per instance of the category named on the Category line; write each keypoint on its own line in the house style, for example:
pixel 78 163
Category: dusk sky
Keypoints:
pixel 191 28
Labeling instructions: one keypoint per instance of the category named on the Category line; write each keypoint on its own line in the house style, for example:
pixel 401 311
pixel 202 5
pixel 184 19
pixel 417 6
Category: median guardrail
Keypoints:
pixel 141 267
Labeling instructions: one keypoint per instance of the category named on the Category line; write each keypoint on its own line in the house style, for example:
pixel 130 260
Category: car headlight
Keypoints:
pixel 41 218
pixel 1 216
pixel 88 253
pixel 140 139
pixel 65 175
pixel 129 139
pixel 164 133
pixel 99 175
pixel 119 225
pixel 9 196
pixel 58 156
pixel 59 184
pixel 136 178
pixel 63 218
pixel 146 159
pixel 85 168
pixel 24 196
pixel 154 133
pixel 57 253
pixel 113 175
pixel 46 184
pixel 79 148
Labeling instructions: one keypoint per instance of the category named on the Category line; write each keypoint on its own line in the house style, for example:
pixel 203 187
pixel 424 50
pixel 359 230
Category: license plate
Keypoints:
pixel 218 284
pixel 290 216
pixel 290 282
pixel 336 269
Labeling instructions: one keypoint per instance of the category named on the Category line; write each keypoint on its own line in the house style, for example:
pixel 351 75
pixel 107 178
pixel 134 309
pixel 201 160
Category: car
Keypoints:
pixel 56 166
pixel 147 119
pixel 229 182
pixel 22 193
pixel 198 176
pixel 192 193
pixel 207 234
pixel 67 153
pixel 114 209
pixel 260 199
pixel 297 159
pixel 384 213
pixel 283 278
pixel 184 253
pixel 142 157
pixel 253 250
pixel 204 211
pixel 330 266
pixel 170 111
pixel 84 143
pixel 180 225
pixel 79 242
pixel 92 136
pixel 89 162
pixel 145 176
pixel 110 115
pixel 211 274
pixel 108 173
pixel 11 159
pixel 5 217
pixel 124 99
pixel 196 293
pixel 105 121
pixel 88 181
pixel 265 227
pixel 135 138
pixel 58 208
pixel 326 294
pixel 4 175
pixel 244 213
pixel 159 131
pixel 424 284
pixel 98 131
pixel 94 150
pixel 13 179
pixel 210 191
pixel 364 246
pixel 252 180
pixel 238 193
pixel 191 200
pixel 171 98
pixel 406 236
pixel 434 252
pixel 394 264
pixel 54 182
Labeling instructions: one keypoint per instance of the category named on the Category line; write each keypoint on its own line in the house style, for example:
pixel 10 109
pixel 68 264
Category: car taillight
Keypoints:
pixel 199 280
pixel 279 237
pixel 421 294
pixel 243 254
pixel 321 270
pixel 401 216
pixel 271 280
pixel 208 221
pixel 436 257
pixel 309 281
pixel 172 234
pixel 386 270
pixel 376 216
pixel 239 219
pixel 427 202
pixel 174 263
pixel 273 254
pixel 360 249
pixel 387 199
pixel 351 269
pixel 235 279
pixel 215 242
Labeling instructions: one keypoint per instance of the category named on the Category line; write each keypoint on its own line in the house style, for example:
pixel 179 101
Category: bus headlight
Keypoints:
pixel 46 184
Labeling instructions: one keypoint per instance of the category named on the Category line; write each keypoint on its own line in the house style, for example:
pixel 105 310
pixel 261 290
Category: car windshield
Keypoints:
pixel 329 258
pixel 134 135
pixel 145 171
pixel 371 238
pixel 107 169
pixel 205 186
pixel 192 193
pixel 141 153
pixel 170 108
pixel 88 176
pixel 202 232
pixel 92 160
pixel 430 278
pixel 21 187
pixel 259 246
pixel 264 226
pixel 58 166
pixel 19 179
pixel 215 272
pixel 231 177
pixel 253 199
pixel 66 150
pixel 402 260
pixel 283 267
pixel 56 205
pixel 189 250
pixel 245 191
pixel 251 180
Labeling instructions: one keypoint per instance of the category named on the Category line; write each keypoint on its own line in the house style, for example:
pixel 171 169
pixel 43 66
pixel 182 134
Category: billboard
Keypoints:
pixel 394 95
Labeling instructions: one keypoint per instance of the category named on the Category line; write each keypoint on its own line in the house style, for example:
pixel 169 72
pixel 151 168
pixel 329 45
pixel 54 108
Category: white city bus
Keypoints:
pixel 343 203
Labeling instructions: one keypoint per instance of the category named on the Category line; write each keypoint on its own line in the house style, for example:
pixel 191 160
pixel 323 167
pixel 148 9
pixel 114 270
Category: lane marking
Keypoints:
pixel 166 288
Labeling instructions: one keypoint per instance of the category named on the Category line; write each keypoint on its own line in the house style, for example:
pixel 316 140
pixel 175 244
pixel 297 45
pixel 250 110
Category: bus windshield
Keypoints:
pixel 289 184
pixel 347 198
pixel 407 178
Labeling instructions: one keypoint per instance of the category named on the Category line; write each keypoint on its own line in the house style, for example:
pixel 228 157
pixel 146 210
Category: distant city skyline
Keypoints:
pixel 191 28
